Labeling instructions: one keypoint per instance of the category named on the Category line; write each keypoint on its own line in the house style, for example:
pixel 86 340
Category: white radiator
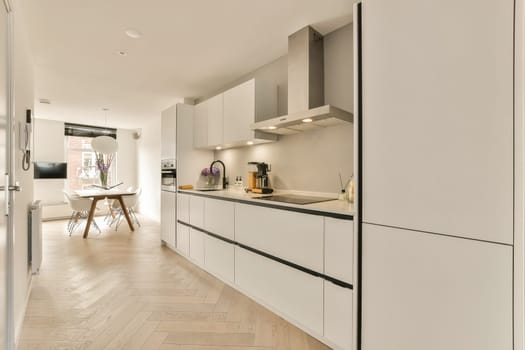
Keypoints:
pixel 35 236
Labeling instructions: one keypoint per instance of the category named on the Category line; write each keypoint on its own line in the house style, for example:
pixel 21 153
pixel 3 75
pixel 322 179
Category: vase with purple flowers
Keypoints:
pixel 211 176
pixel 103 164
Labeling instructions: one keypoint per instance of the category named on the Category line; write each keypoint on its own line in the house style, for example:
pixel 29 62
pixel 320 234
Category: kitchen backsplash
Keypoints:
pixel 308 161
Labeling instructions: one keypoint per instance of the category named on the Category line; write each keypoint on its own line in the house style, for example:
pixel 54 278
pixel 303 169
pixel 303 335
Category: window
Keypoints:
pixel 81 163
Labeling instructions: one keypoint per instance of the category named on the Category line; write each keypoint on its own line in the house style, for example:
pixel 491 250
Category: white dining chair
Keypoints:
pixel 131 202
pixel 80 207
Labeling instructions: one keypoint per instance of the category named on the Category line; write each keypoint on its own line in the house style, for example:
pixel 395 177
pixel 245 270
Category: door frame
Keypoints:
pixel 519 175
pixel 10 322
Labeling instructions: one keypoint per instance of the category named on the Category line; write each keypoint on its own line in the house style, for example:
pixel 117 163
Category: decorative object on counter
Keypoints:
pixel 239 183
pixel 211 176
pixel 224 181
pixel 105 148
pixel 342 196
pixel 350 189
pixel 186 187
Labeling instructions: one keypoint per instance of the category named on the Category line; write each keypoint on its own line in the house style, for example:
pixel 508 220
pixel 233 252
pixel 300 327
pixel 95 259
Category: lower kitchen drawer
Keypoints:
pixel 197 246
pixel 183 239
pixel 338 317
pixel 219 258
pixel 294 293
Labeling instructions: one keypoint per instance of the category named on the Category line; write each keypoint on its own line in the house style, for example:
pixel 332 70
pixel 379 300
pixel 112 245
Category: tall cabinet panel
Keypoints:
pixel 433 292
pixel 168 148
pixel 438 116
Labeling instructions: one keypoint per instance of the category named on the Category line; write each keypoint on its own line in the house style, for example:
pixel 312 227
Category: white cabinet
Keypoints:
pixel 433 292
pixel 168 133
pixel 183 239
pixel 215 120
pixel 437 129
pixel 289 235
pixel 338 316
pixel 295 294
pixel 197 211
pixel 219 258
pixel 167 217
pixel 219 217
pixel 251 101
pixel 339 249
pixel 197 246
pixel 183 207
pixel 225 119
pixel 200 125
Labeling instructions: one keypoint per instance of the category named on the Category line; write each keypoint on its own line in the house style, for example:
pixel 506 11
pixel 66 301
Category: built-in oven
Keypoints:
pixel 168 175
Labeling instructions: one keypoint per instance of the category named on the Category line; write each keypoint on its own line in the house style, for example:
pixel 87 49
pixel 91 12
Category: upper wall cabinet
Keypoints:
pixel 224 120
pixel 168 133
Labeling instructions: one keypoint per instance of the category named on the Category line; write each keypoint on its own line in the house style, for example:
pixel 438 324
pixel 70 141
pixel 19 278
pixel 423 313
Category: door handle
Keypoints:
pixel 14 188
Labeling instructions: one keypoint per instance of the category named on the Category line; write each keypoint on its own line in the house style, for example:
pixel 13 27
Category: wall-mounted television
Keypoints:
pixel 50 170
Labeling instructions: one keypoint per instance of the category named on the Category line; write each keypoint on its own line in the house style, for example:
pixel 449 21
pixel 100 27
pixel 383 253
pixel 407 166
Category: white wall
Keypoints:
pixel 148 152
pixel 24 97
pixel 309 161
pixel 127 158
pixel 49 141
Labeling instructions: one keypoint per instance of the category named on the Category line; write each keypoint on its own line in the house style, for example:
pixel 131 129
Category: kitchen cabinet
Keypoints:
pixel 297 295
pixel 183 207
pixel 338 249
pixel 215 120
pixel 251 101
pixel 197 246
pixel 338 316
pixel 433 292
pixel 225 119
pixel 200 125
pixel 167 217
pixel 289 235
pixel 438 116
pixel 197 211
pixel 219 258
pixel 168 133
pixel 183 239
pixel 219 217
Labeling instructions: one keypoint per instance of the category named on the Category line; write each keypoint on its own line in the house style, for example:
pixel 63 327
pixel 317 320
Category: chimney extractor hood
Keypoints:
pixel 306 108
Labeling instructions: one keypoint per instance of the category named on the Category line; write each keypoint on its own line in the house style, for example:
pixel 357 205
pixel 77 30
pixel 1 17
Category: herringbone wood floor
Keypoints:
pixel 122 290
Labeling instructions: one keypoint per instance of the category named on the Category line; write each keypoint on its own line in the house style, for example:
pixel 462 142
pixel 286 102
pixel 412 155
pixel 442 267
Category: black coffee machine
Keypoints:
pixel 262 183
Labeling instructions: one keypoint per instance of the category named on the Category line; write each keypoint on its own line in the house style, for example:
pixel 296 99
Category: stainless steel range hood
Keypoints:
pixel 306 108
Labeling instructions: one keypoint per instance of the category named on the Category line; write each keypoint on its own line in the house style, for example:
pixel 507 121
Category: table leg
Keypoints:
pixel 90 216
pixel 126 213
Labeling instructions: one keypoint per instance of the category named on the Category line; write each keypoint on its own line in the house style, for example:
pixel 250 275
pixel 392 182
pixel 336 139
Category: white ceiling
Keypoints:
pixel 189 48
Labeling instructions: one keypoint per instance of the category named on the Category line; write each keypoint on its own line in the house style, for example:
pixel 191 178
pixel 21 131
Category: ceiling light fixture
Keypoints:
pixel 249 143
pixel 307 120
pixel 218 148
pixel 272 127
pixel 122 53
pixel 133 33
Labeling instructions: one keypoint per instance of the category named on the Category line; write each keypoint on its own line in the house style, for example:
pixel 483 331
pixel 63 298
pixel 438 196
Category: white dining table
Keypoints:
pixel 101 194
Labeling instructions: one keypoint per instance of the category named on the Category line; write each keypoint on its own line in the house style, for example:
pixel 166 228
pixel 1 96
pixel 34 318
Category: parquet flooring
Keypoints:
pixel 122 290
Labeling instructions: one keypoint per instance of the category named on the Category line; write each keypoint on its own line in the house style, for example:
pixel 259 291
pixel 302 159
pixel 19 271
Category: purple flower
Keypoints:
pixel 214 172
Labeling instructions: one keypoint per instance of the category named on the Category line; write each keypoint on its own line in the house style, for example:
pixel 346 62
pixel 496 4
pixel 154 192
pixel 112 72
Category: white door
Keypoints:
pixel 6 300
pixel 438 116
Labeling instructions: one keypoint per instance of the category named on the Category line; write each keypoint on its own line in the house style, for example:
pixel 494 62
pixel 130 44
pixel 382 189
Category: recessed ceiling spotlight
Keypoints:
pixel 122 53
pixel 272 127
pixel 249 143
pixel 105 109
pixel 133 33
pixel 307 120
pixel 44 101
pixel 218 148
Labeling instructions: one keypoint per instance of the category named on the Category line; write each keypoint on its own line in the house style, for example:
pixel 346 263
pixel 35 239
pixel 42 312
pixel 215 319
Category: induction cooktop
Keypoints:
pixel 295 199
